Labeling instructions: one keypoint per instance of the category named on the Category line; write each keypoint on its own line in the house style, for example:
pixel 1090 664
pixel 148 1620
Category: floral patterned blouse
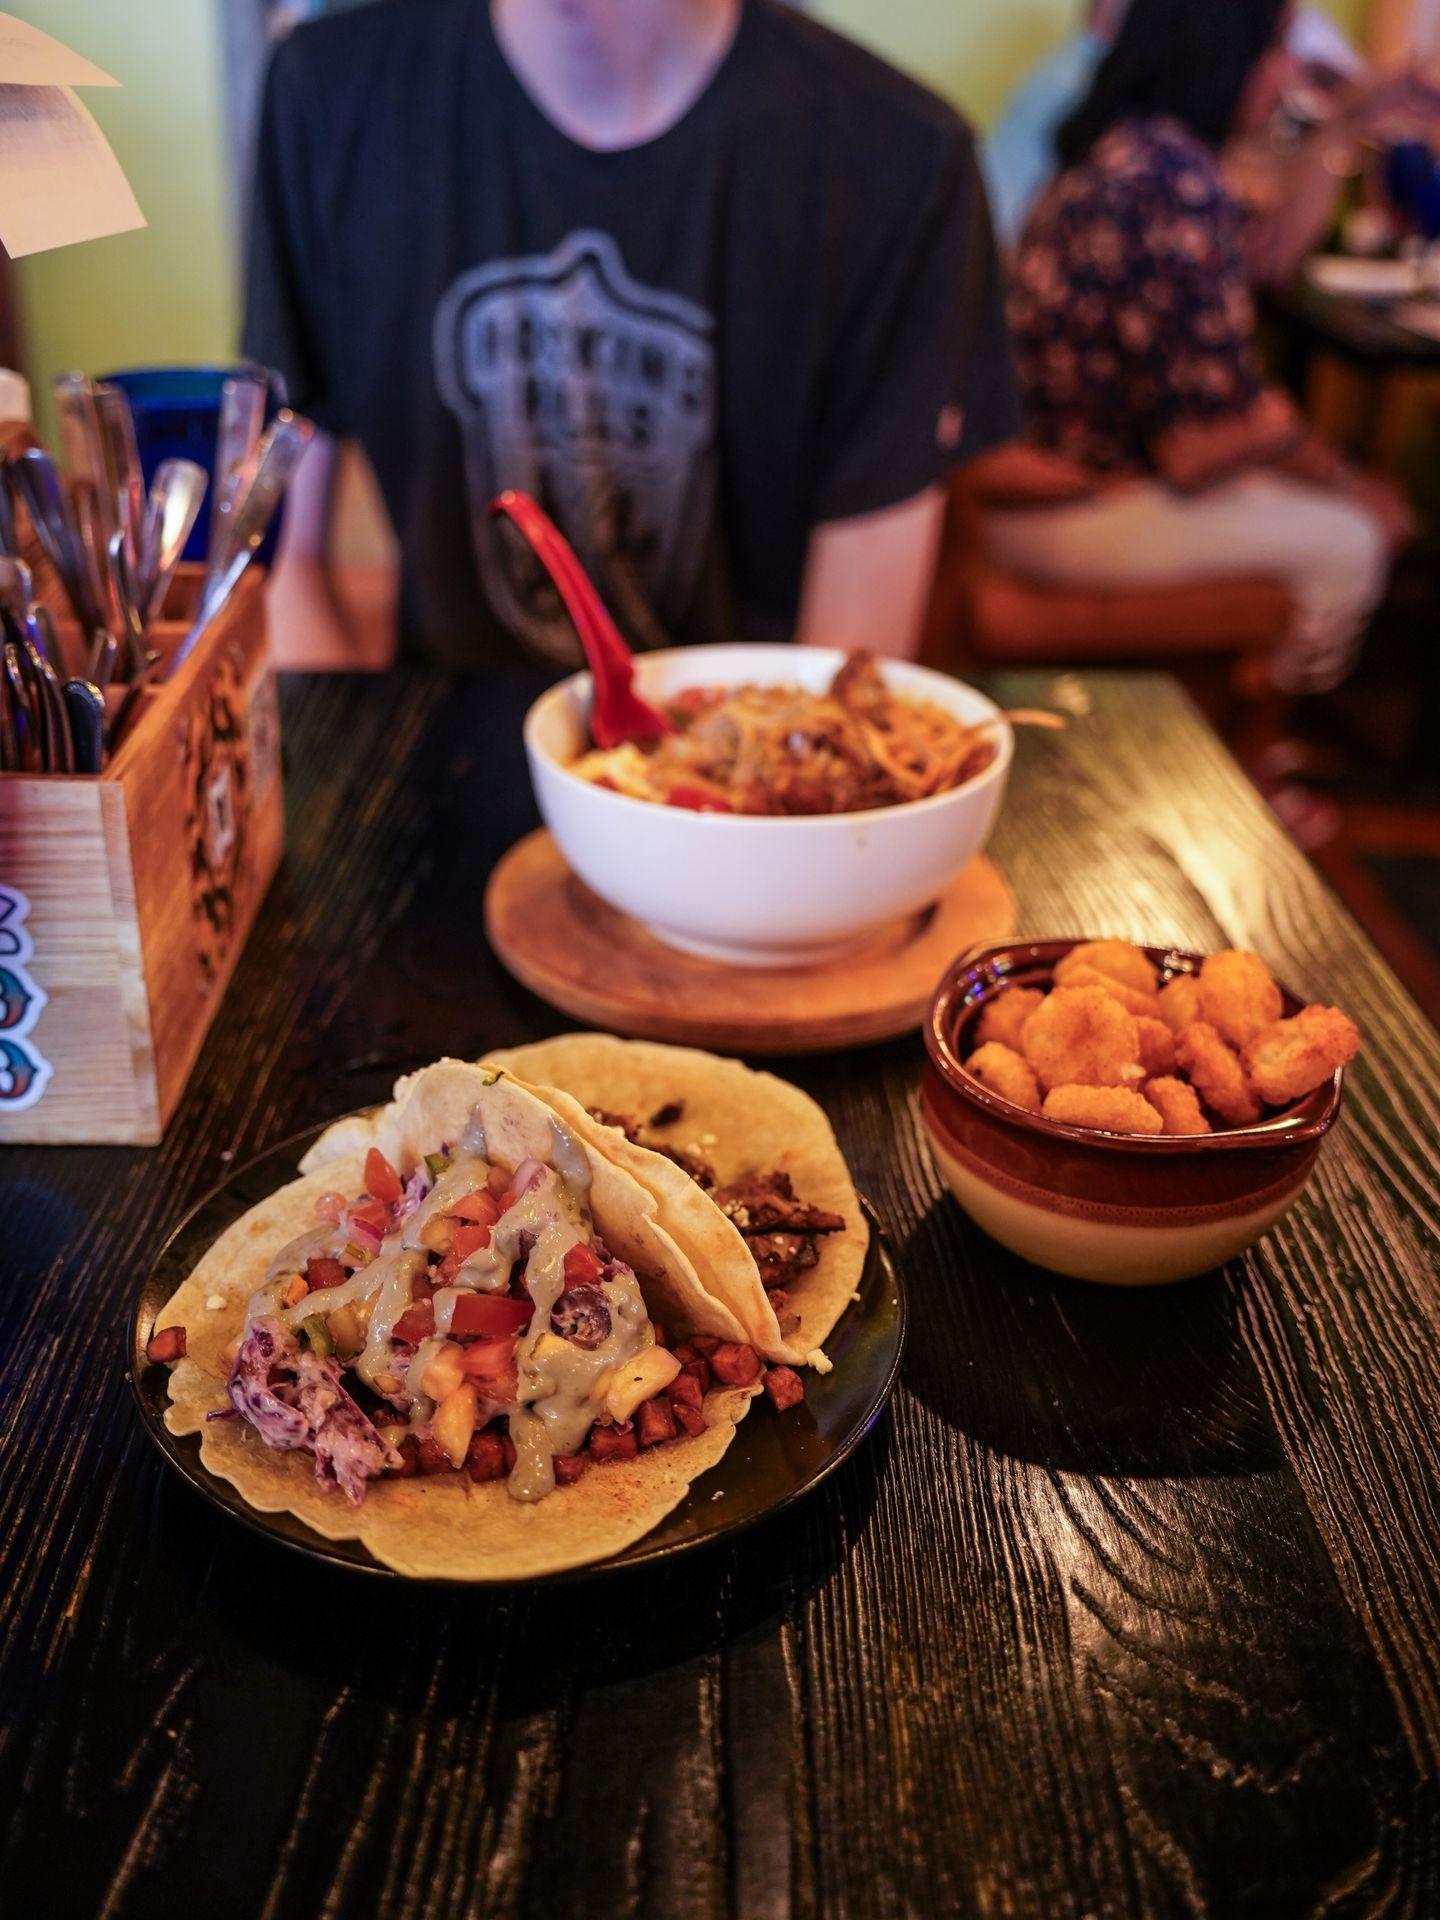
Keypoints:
pixel 1129 303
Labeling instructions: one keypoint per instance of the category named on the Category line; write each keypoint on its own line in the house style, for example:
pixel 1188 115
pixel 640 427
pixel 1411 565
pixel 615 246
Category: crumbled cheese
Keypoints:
pixel 856 1294
pixel 741 1216
pixel 817 1359
pixel 215 1301
pixel 707 1139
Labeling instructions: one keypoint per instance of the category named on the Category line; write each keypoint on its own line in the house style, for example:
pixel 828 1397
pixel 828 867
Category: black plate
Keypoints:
pixel 773 1460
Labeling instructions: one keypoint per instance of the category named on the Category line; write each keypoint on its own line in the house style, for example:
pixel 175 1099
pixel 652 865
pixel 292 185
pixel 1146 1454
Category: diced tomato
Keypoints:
pixel 416 1323
pixel 569 1467
pixel 470 1237
pixel 382 1182
pixel 373 1214
pixel 654 1422
pixel 685 1391
pixel 330 1207
pixel 785 1387
pixel 322 1272
pixel 486 1457
pixel 483 1207
pixel 698 800
pixel 491 1365
pixel 168 1344
pixel 614 1443
pixel 490 1313
pixel 692 1421
pixel 583 1267
pixel 734 1365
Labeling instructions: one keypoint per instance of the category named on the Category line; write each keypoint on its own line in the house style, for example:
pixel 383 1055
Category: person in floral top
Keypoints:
pixel 1133 330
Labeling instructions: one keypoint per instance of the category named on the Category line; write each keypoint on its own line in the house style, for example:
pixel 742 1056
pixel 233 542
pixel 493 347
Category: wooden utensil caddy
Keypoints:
pixel 125 900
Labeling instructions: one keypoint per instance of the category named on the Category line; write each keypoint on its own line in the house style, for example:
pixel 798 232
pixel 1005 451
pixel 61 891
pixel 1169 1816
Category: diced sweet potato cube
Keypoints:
pixel 614 1443
pixel 569 1467
pixel 485 1458
pixel 685 1391
pixel 699 1370
pixel 734 1365
pixel 705 1343
pixel 433 1457
pixel 655 1422
pixel 690 1420
pixel 167 1345
pixel 785 1387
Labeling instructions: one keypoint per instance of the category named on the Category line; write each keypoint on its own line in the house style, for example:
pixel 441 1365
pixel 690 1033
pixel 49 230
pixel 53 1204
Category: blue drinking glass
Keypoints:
pixel 177 416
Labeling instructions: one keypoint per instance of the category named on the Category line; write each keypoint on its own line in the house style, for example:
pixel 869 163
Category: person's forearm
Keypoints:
pixel 867 580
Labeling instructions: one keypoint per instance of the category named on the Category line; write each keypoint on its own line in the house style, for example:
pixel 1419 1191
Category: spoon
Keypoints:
pixel 278 456
pixel 39 487
pixel 242 415
pixel 617 712
pixel 176 494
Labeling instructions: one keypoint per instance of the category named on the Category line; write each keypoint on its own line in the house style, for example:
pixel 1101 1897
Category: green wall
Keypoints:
pixel 167 292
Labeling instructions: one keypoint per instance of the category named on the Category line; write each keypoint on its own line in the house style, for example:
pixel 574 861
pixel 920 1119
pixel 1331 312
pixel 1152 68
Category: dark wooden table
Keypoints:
pixel 1364 332
pixel 1131 1604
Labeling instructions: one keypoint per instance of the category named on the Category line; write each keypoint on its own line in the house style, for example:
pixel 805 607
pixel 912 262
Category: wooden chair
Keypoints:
pixel 1215 635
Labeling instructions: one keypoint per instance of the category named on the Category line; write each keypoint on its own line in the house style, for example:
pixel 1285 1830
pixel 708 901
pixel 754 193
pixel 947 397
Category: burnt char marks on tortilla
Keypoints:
pixel 780 1230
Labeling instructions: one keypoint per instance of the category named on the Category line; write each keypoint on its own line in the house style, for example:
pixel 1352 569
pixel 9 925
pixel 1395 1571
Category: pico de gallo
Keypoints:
pixel 467 1319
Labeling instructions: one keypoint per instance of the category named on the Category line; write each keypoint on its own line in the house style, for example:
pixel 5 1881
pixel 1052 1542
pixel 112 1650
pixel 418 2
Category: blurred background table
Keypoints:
pixel 1359 369
pixel 1131 1604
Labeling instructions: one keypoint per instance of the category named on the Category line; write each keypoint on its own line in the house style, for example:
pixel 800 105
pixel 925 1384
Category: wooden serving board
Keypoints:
pixel 565 944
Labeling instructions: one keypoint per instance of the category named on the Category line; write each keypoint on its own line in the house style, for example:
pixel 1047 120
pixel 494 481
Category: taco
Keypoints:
pixel 464 1336
pixel 744 1168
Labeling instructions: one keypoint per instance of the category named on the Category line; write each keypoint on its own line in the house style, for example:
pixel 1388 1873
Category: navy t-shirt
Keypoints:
pixel 783 310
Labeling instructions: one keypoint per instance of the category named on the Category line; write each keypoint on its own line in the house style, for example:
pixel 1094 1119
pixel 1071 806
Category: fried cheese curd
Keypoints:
pixel 1144 1006
pixel 1117 1109
pixel 1002 1018
pixel 1177 1104
pixel 1180 1001
pixel 1001 1070
pixel 1215 1071
pixel 1109 1046
pixel 1290 1058
pixel 1238 996
pixel 1081 1036
pixel 1120 960
pixel 1157 1046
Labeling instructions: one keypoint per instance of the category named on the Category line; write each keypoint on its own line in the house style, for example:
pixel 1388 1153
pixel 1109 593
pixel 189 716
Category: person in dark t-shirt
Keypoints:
pixel 712 283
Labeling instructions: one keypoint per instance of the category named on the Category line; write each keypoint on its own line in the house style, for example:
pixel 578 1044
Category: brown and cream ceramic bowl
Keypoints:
pixel 1126 1209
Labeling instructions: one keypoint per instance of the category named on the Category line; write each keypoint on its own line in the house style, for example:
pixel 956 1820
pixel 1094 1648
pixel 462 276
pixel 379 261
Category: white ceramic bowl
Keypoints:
pixel 757 889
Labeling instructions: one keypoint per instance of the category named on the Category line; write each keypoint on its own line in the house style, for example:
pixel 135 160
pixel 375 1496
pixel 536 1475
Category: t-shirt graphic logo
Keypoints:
pixel 576 384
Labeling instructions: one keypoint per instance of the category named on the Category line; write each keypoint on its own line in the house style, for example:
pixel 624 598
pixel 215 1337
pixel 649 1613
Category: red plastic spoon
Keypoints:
pixel 617 713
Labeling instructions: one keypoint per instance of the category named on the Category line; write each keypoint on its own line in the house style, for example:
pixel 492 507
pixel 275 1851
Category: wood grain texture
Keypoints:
pixel 605 970
pixel 1130 1606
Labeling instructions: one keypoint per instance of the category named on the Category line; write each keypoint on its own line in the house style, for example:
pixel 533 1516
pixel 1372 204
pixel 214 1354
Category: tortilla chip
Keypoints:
pixel 443 1527
pixel 739 1121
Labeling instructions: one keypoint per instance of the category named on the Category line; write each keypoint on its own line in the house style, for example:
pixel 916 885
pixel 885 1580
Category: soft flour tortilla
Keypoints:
pixel 738 1121
pixel 444 1527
